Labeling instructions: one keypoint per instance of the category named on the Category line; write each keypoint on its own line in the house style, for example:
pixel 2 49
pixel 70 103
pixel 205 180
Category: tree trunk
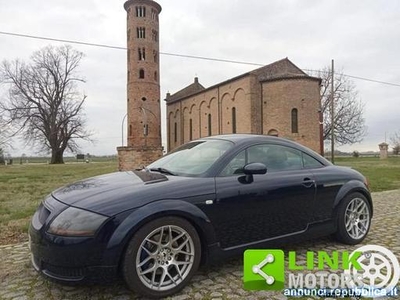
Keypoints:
pixel 57 157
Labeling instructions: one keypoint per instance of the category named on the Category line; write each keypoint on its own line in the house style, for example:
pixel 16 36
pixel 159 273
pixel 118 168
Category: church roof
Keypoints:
pixel 191 89
pixel 281 69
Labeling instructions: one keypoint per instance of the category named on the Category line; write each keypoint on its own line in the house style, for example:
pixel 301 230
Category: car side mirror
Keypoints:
pixel 254 168
pixel 250 170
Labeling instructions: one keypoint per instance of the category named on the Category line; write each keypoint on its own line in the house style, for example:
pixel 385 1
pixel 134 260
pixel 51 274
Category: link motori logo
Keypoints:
pixel 369 268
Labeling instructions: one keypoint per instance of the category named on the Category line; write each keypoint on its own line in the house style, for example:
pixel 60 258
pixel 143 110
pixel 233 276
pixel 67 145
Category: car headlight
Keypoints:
pixel 76 222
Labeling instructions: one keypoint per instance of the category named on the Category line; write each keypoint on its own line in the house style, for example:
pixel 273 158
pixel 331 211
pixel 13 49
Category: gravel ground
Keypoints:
pixel 19 281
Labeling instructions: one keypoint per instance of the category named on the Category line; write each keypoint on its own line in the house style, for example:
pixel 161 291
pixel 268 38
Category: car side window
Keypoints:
pixel 274 157
pixel 281 158
pixel 236 165
pixel 310 162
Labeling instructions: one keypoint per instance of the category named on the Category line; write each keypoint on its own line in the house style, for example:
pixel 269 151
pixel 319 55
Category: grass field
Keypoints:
pixel 382 175
pixel 22 187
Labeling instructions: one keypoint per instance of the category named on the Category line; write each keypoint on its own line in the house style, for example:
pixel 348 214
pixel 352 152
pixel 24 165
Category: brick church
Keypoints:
pixel 278 99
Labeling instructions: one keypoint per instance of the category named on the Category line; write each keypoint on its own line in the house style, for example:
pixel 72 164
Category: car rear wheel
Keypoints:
pixel 354 219
pixel 162 257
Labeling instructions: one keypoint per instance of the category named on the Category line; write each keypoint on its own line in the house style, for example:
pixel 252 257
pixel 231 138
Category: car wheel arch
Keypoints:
pixel 353 186
pixel 171 208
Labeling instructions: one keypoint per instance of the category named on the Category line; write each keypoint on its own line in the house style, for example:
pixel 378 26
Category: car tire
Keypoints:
pixel 161 257
pixel 354 219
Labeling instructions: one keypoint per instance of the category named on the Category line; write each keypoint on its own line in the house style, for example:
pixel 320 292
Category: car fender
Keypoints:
pixel 349 187
pixel 158 209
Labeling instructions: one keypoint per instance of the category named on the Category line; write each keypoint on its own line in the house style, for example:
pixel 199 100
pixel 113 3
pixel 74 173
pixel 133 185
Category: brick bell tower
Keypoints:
pixel 143 90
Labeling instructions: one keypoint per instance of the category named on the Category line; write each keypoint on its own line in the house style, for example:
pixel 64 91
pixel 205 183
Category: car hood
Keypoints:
pixel 116 192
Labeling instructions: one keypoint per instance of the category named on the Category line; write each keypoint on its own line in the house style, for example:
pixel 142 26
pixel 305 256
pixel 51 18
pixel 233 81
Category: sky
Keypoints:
pixel 363 37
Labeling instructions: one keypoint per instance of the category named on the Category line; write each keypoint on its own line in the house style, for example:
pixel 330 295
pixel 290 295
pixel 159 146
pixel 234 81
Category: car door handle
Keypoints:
pixel 307 182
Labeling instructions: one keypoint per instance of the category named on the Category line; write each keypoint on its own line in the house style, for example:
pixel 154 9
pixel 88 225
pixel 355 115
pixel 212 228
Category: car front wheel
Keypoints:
pixel 162 257
pixel 354 219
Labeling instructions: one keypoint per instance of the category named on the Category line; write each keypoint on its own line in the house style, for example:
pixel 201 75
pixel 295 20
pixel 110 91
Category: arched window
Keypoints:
pixel 233 119
pixel 190 129
pixel 141 74
pixel 141 32
pixel 142 53
pixel 209 125
pixel 295 128
pixel 273 132
pixel 175 132
pixel 140 11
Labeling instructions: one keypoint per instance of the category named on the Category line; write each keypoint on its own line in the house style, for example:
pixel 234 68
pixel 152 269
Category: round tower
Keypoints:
pixel 143 73
pixel 143 88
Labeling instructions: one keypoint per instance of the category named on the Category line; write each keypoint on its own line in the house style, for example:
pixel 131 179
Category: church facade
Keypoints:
pixel 278 99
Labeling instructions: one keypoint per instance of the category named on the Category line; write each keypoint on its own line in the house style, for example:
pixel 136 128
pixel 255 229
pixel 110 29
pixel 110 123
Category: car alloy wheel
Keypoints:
pixel 354 219
pixel 162 257
pixel 357 218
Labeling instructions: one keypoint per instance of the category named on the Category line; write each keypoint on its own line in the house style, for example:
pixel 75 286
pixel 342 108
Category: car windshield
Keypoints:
pixel 191 159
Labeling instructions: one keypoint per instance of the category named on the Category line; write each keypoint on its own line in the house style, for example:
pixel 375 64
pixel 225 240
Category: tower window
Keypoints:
pixel 295 128
pixel 129 75
pixel 142 53
pixel 154 14
pixel 141 32
pixel 155 76
pixel 154 35
pixel 140 11
pixel 141 74
pixel 209 125
pixel 155 56
pixel 130 130
pixel 233 119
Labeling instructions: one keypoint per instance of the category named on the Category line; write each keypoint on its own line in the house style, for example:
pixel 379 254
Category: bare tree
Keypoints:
pixel 5 134
pixel 349 122
pixel 395 140
pixel 43 102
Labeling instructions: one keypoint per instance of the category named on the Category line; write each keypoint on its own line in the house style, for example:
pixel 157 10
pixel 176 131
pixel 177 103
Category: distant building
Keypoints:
pixel 278 99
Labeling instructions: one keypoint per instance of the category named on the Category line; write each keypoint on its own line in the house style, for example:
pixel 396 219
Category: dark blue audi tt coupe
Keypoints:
pixel 208 199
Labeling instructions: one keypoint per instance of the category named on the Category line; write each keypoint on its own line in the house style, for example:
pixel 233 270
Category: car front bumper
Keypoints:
pixel 67 259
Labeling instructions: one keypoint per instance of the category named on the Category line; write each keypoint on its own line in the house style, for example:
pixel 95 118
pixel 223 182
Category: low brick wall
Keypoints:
pixel 130 158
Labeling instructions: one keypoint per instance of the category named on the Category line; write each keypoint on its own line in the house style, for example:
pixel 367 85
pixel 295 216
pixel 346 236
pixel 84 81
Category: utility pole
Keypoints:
pixel 332 116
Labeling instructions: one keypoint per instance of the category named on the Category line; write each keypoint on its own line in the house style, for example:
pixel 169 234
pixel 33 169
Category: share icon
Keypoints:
pixel 257 269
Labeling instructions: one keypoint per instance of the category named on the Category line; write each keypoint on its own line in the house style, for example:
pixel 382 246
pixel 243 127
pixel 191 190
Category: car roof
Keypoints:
pixel 239 138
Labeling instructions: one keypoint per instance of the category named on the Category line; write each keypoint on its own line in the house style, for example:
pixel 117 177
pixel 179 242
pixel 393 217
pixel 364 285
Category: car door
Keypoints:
pixel 271 205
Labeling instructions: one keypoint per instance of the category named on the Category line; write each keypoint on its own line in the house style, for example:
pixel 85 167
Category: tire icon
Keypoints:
pixel 379 269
